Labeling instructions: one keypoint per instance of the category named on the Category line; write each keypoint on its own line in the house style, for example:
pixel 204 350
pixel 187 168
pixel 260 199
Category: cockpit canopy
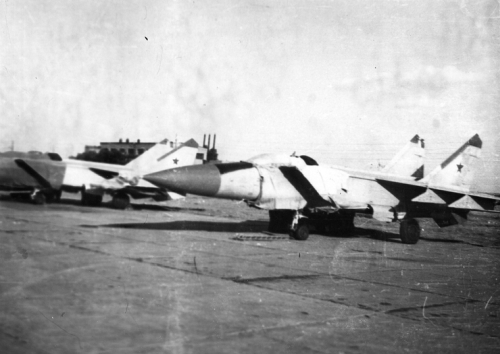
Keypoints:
pixel 283 160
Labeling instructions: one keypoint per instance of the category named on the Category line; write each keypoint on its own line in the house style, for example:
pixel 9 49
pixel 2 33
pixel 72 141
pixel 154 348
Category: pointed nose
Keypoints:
pixel 197 179
pixel 236 180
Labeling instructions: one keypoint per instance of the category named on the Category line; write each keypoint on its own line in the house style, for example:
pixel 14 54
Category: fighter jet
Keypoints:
pixel 300 193
pixel 39 174
pixel 95 179
pixel 45 176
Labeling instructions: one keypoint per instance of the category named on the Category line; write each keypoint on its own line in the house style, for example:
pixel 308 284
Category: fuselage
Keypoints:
pixel 283 182
pixel 13 177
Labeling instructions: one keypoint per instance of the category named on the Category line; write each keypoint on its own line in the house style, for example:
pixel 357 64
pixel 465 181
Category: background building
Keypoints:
pixel 129 150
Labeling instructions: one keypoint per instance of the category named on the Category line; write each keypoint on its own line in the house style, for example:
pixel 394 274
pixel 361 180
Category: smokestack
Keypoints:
pixel 215 136
pixel 209 136
pixel 204 136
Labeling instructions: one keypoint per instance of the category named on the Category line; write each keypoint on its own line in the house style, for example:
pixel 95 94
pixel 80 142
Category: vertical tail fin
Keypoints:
pixel 163 156
pixel 409 161
pixel 458 169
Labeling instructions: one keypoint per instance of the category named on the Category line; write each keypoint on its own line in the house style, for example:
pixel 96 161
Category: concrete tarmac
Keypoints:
pixel 201 277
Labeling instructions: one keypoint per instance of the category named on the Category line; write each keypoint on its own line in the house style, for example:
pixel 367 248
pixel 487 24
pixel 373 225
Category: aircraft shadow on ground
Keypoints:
pixel 149 207
pixel 260 226
pixel 25 198
pixel 377 235
pixel 212 226
pixel 244 226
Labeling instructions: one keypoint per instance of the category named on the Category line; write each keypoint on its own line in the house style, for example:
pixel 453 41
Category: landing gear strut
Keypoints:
pixel 409 231
pixel 300 228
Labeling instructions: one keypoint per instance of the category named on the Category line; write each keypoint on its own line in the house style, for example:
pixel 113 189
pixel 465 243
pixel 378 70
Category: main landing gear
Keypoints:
pixel 298 223
pixel 409 231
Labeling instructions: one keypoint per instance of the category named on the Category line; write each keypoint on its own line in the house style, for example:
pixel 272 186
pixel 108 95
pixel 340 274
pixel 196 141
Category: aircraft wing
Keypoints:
pixel 456 198
pixel 303 186
pixel 311 186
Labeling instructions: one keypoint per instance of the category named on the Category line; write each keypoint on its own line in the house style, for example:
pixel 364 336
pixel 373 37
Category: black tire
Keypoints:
pixel 121 201
pixel 409 231
pixel 39 198
pixel 301 233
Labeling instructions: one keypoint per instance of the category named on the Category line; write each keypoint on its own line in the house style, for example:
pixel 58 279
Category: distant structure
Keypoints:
pixel 131 149
pixel 211 155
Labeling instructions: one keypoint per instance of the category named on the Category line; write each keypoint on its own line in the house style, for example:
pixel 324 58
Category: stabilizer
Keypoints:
pixel 457 171
pixel 409 161
pixel 163 156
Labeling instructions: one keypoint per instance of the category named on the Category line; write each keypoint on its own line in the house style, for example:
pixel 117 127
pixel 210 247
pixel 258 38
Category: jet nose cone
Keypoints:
pixel 197 179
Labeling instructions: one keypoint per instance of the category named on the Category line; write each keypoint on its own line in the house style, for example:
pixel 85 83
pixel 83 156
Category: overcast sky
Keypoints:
pixel 346 82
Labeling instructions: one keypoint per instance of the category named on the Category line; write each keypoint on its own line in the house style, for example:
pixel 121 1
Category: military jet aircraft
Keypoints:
pixel 95 179
pixel 299 193
pixel 39 174
pixel 45 176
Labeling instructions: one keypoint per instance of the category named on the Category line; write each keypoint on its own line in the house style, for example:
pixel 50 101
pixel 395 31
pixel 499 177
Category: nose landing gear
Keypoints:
pixel 299 229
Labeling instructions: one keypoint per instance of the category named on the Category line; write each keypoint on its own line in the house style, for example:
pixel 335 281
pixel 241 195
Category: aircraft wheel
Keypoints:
pixel 302 232
pixel 39 198
pixel 121 201
pixel 409 231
